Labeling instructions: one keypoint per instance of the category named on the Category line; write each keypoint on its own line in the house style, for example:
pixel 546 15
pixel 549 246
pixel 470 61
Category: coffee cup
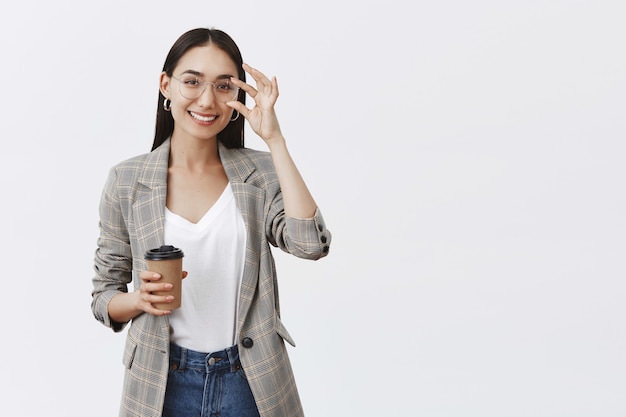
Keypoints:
pixel 167 261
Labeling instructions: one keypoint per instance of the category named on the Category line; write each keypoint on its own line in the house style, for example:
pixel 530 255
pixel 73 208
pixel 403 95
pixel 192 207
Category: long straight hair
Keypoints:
pixel 232 135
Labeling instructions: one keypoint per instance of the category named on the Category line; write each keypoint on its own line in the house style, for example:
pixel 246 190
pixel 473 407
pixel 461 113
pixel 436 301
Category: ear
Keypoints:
pixel 164 85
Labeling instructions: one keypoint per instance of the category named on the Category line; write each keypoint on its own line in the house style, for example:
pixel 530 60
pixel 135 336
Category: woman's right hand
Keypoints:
pixel 150 283
pixel 124 307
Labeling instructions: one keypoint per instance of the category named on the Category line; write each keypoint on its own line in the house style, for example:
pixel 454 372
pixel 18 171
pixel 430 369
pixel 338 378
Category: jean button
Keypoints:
pixel 211 361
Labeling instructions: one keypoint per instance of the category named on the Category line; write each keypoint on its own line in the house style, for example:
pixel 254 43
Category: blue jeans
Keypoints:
pixel 207 385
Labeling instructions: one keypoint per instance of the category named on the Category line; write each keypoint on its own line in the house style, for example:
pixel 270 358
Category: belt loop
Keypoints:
pixel 183 359
pixel 233 358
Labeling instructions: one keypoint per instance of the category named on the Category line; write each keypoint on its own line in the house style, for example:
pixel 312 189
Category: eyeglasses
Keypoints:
pixel 192 87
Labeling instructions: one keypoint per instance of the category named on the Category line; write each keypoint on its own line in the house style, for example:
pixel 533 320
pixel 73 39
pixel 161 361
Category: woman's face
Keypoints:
pixel 207 115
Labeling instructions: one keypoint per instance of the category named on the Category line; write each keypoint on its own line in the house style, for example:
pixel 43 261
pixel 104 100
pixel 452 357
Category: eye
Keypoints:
pixel 223 86
pixel 191 81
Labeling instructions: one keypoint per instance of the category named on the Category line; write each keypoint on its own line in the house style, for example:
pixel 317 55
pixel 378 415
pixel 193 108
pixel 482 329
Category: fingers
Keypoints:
pixel 252 92
pixel 263 83
pixel 149 293
pixel 148 302
pixel 150 282
pixel 258 76
pixel 240 107
pixel 149 275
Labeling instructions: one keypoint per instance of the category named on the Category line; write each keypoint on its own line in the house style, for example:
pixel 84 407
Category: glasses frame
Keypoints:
pixel 203 87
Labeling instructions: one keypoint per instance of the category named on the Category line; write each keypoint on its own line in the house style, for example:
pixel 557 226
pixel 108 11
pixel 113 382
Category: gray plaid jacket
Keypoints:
pixel 131 222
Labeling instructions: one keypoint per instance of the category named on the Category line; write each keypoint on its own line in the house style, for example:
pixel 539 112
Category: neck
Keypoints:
pixel 193 154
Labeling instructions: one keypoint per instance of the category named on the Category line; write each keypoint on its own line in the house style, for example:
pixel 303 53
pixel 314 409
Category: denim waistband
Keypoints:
pixel 186 358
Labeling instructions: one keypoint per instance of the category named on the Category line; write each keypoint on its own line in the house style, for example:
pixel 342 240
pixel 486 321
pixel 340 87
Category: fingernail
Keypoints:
pixel 168 286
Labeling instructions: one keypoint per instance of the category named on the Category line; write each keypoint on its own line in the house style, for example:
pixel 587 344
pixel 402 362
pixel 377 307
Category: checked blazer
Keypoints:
pixel 131 222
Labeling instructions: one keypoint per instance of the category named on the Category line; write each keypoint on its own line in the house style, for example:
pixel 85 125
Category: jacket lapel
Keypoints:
pixel 149 205
pixel 149 212
pixel 250 201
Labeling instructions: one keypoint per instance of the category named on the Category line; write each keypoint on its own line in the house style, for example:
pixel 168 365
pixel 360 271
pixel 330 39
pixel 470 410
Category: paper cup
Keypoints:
pixel 167 261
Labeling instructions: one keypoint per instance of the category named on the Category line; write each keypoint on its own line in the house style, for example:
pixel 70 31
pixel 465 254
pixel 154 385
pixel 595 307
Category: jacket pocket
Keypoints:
pixel 129 353
pixel 282 332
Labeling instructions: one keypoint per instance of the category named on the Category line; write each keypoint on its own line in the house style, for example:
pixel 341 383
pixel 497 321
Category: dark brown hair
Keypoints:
pixel 232 135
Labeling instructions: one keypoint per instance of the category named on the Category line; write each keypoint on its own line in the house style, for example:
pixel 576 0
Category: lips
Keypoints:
pixel 201 118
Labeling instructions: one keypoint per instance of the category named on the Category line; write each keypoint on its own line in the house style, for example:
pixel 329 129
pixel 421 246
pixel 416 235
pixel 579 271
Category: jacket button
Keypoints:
pixel 320 227
pixel 323 239
pixel 325 249
pixel 247 342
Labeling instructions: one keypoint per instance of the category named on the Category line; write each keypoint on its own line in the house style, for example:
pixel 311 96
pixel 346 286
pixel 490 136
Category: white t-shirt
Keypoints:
pixel 214 250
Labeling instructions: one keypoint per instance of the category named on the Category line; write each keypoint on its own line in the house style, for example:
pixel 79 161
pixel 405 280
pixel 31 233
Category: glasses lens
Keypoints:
pixel 225 90
pixel 191 87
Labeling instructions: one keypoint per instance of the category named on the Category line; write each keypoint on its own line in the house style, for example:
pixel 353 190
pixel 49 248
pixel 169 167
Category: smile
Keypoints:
pixel 202 118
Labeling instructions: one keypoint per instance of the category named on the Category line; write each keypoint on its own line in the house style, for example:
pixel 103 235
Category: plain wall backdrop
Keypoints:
pixel 467 156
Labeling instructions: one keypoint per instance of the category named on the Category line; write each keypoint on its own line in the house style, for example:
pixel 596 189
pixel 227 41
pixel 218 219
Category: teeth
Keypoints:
pixel 202 118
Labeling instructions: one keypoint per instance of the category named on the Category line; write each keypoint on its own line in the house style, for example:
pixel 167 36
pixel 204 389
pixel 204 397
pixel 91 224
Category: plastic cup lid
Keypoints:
pixel 163 252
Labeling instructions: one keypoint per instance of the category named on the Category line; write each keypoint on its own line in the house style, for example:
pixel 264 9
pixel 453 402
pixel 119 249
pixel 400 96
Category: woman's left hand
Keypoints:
pixel 262 117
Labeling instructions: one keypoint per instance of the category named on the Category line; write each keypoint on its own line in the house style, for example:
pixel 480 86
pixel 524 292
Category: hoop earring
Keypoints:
pixel 236 117
pixel 166 106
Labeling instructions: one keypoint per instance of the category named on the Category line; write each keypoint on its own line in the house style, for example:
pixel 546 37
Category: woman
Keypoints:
pixel 222 353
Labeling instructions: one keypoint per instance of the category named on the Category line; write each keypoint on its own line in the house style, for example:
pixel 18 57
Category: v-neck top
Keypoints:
pixel 214 249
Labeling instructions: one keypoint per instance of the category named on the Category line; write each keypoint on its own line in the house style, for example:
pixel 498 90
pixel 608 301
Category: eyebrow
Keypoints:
pixel 200 74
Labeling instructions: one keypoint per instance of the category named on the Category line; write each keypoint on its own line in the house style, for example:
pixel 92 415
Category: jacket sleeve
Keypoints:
pixel 113 257
pixel 304 238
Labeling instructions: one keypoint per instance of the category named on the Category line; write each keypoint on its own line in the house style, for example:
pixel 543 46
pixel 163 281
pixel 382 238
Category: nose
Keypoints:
pixel 207 98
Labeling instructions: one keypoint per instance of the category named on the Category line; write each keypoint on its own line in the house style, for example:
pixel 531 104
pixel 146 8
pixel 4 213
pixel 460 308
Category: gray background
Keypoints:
pixel 467 156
